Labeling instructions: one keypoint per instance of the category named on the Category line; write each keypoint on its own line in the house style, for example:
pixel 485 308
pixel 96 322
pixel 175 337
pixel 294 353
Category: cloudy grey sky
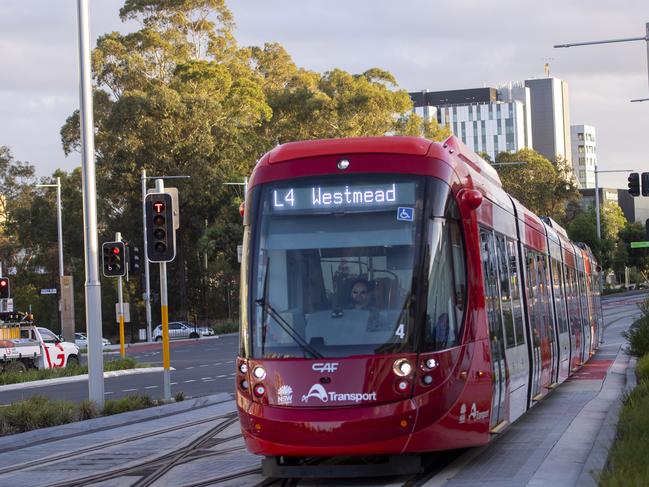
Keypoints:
pixel 434 44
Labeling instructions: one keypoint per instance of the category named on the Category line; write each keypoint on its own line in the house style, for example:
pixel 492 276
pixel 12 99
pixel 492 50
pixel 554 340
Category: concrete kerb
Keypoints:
pixel 598 456
pixel 22 440
pixel 77 378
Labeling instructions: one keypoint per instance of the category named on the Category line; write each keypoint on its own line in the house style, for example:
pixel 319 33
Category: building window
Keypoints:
pixel 580 149
pixel 580 136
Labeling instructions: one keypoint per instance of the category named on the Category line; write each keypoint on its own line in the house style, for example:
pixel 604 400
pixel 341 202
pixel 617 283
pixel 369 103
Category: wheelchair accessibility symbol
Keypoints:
pixel 405 214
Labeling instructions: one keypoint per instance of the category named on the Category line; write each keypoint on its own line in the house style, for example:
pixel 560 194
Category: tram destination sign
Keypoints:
pixel 342 197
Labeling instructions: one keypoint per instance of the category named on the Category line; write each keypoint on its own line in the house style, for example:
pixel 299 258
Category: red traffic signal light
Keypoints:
pixel 114 264
pixel 4 288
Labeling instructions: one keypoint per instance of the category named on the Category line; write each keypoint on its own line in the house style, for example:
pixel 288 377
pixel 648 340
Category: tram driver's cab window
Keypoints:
pixel 446 285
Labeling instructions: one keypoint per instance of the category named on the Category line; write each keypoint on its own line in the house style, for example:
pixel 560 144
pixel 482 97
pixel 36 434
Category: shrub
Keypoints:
pixel 131 402
pixel 225 327
pixel 638 333
pixel 36 412
pixel 642 368
pixel 121 364
pixel 87 410
pixel 179 396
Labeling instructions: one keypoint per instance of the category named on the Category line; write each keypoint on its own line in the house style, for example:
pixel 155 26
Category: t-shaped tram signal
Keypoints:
pixel 160 232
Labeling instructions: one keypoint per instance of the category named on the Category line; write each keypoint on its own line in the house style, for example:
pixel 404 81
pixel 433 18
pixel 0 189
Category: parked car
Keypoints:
pixel 182 329
pixel 81 340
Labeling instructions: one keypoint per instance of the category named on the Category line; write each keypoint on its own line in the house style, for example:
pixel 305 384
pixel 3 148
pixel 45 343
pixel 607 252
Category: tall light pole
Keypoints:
pixel 58 219
pixel 91 254
pixel 610 41
pixel 59 226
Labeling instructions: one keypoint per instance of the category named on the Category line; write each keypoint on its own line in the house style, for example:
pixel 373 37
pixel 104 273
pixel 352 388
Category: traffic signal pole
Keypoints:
pixel 147 291
pixel 164 312
pixel 122 352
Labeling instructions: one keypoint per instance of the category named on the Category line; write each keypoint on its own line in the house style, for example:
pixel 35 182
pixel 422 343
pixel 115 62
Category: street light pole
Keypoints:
pixel 91 254
pixel 59 227
pixel 609 41
pixel 597 171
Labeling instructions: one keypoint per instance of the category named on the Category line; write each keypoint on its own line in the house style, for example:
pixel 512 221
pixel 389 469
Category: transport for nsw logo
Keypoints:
pixel 316 391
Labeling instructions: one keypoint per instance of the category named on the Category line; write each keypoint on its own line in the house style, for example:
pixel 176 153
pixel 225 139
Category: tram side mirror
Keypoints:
pixel 472 198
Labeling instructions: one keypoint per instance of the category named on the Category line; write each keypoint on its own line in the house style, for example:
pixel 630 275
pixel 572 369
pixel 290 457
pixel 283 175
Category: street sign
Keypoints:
pixel 48 291
pixel 127 313
pixel 639 245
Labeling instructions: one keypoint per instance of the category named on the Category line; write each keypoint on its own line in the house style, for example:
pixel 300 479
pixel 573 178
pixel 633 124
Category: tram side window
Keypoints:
pixel 557 283
pixel 515 290
pixel 490 276
pixel 505 292
pixel 548 318
pixel 446 285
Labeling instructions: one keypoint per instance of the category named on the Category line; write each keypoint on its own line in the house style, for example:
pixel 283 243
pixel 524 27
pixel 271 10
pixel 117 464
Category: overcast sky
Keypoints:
pixel 438 45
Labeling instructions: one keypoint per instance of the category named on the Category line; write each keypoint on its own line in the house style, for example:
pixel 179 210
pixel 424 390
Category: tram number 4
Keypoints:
pixel 401 331
pixel 288 198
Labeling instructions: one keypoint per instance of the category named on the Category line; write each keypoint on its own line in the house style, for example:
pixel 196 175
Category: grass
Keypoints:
pixel 42 412
pixel 34 374
pixel 627 461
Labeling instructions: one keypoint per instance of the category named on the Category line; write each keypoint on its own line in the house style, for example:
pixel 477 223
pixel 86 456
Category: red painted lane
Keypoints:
pixel 593 370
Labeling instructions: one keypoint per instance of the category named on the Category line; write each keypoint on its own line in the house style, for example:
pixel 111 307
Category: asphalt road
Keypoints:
pixel 203 366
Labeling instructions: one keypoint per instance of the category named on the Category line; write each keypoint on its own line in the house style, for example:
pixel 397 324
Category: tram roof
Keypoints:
pixel 415 146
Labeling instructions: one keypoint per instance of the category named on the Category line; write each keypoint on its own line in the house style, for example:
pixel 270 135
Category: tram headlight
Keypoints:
pixel 402 367
pixel 244 384
pixel 431 363
pixel 243 368
pixel 260 390
pixel 259 372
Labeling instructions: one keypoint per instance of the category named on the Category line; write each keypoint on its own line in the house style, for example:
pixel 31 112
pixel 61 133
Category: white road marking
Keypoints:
pixel 187 381
pixel 151 387
pixel 206 365
pixel 129 390
pixel 220 376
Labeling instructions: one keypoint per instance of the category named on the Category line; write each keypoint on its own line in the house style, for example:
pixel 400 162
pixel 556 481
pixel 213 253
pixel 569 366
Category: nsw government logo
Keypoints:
pixel 321 393
pixel 285 394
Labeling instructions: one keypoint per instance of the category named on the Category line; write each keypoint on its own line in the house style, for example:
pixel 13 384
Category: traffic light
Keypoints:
pixel 133 258
pixel 160 232
pixel 644 178
pixel 634 184
pixel 4 288
pixel 114 257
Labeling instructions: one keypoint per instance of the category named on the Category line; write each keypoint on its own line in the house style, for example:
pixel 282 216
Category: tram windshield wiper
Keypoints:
pixel 267 309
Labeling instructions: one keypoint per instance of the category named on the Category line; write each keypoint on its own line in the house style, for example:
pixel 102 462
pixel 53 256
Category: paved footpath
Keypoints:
pixel 565 439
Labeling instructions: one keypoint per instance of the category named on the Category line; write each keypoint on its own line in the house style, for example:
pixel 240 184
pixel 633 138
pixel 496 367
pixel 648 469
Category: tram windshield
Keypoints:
pixel 333 266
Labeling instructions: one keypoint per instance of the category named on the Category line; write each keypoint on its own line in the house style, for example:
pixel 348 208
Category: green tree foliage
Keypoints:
pixel 179 97
pixel 544 187
pixel 583 228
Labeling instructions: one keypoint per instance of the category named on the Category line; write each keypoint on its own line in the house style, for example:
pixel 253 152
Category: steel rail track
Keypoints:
pixel 108 444
pixel 162 465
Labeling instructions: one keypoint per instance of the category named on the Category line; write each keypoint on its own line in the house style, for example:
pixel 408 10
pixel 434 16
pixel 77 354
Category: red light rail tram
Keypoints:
pixel 472 310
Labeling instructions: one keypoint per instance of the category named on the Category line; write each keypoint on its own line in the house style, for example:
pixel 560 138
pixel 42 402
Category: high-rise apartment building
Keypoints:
pixel 550 117
pixel 584 154
pixel 486 119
